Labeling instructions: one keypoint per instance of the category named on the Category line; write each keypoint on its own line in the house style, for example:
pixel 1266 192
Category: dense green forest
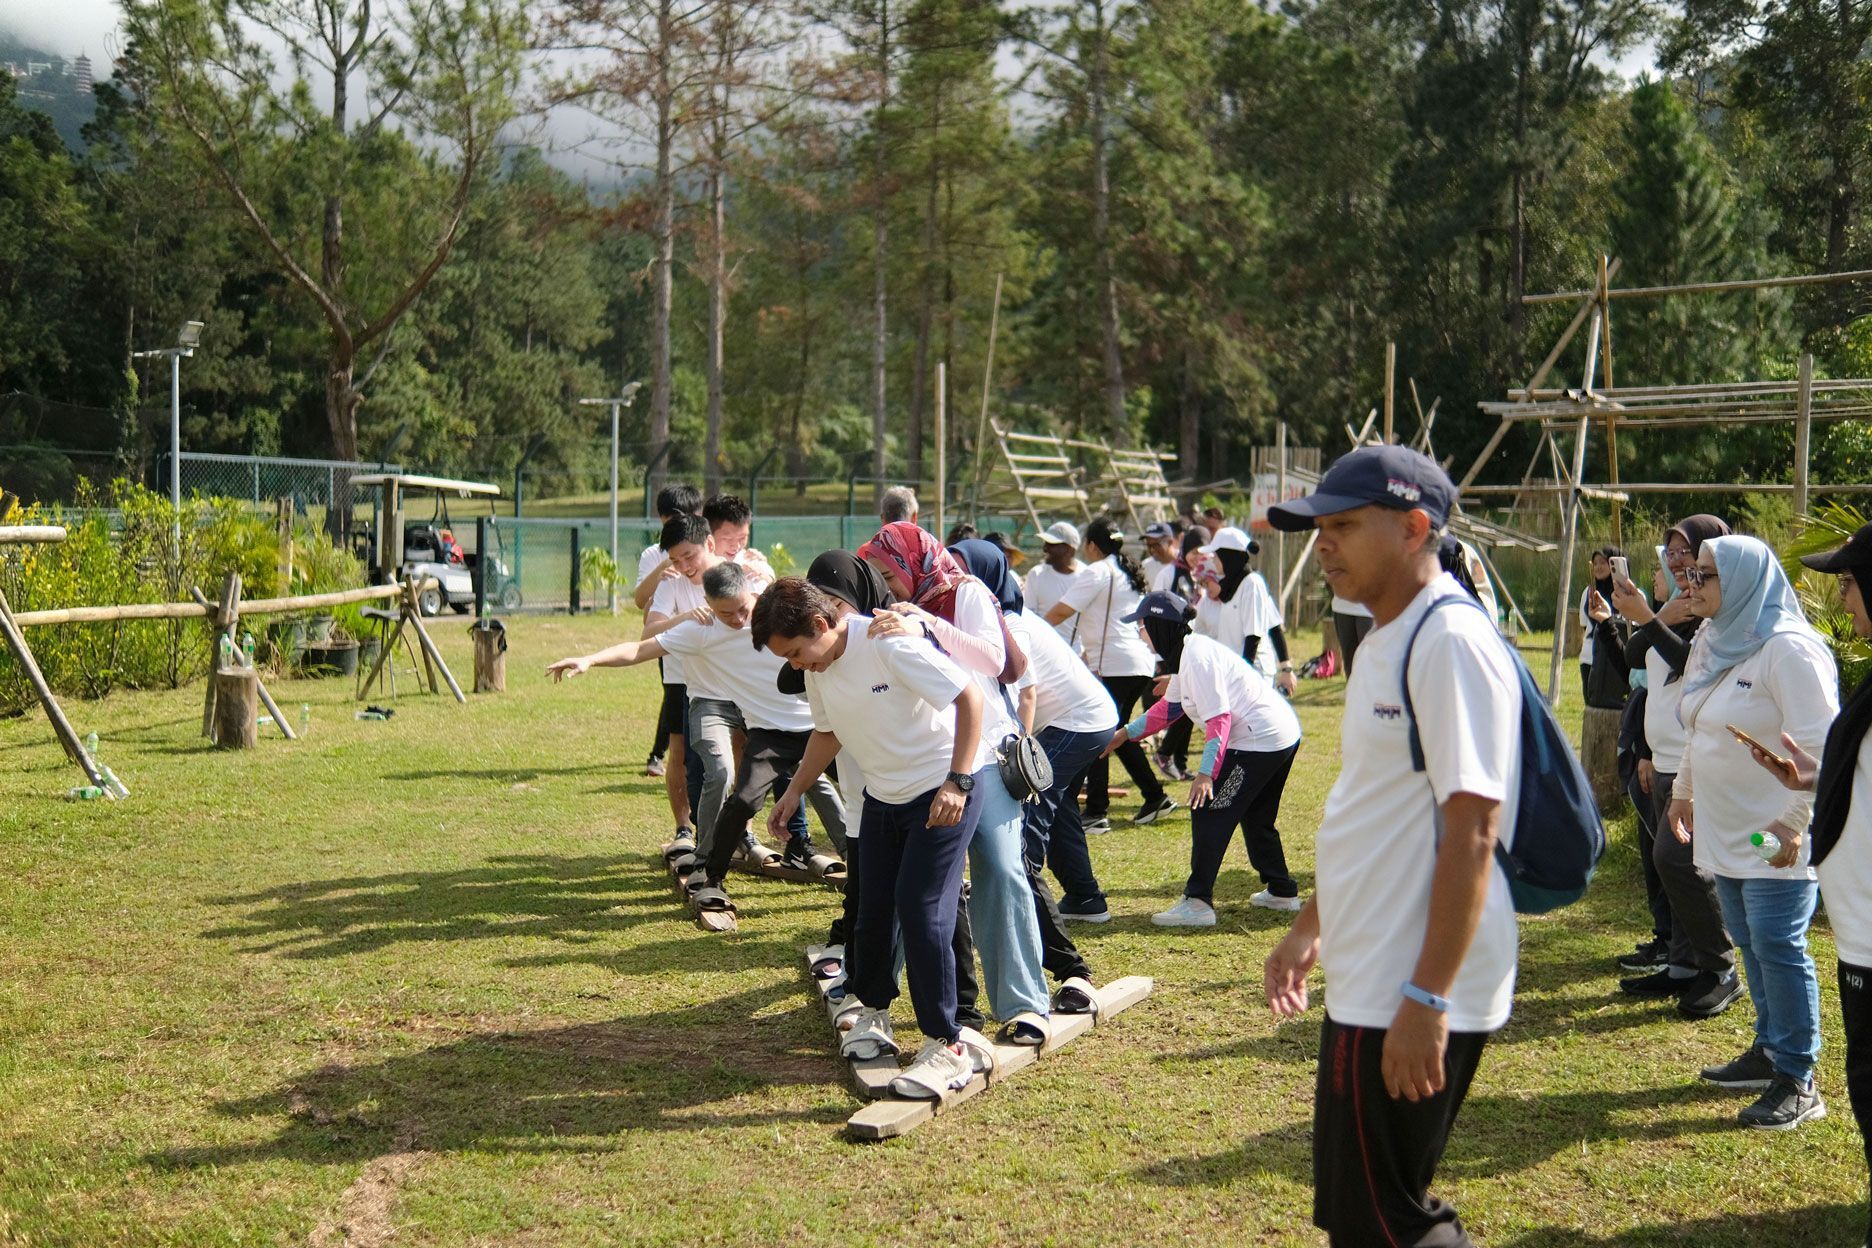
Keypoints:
pixel 1201 218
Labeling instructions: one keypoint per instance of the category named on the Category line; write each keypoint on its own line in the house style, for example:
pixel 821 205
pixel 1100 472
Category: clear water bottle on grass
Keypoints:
pixel 90 744
pixel 89 793
pixel 1767 845
pixel 305 719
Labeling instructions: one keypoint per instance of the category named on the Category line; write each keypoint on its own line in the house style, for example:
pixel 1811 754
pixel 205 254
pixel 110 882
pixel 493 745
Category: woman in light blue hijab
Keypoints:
pixel 1757 668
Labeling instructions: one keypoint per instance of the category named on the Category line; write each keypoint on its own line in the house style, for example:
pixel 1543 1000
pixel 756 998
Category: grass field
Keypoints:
pixel 416 982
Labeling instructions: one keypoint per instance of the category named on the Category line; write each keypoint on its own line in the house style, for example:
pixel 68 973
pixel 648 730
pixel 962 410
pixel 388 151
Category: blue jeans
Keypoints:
pixel 1769 920
pixel 1001 905
pixel 1053 831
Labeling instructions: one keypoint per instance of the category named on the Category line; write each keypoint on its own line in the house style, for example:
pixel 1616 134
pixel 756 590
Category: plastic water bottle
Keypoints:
pixel 370 715
pixel 305 719
pixel 89 793
pixel 224 653
pixel 112 783
pixel 90 744
pixel 247 649
pixel 1767 845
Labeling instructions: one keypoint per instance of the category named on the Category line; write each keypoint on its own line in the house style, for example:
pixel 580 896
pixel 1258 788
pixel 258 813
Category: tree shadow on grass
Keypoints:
pixel 504 897
pixel 1495 1135
pixel 1815 1224
pixel 572 1088
pixel 504 775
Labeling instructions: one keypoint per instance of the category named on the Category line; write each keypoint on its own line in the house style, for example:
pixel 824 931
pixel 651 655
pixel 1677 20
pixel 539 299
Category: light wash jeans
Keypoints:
pixel 1769 920
pixel 1001 905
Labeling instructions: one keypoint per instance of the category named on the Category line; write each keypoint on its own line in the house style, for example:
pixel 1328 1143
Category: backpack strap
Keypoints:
pixel 1410 711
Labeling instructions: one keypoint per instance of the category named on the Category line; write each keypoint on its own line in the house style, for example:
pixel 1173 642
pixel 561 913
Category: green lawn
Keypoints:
pixel 416 982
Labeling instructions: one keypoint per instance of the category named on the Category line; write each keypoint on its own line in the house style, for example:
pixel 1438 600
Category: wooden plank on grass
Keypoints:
pixel 870 1078
pixel 887 1120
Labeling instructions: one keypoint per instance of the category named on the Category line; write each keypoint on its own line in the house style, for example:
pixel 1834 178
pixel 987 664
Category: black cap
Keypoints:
pixel 1388 476
pixel 1161 605
pixel 1855 554
pixel 791 680
pixel 1159 531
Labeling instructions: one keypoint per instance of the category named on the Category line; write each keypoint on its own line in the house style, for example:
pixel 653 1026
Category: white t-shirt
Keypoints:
pixel 722 663
pixel 1102 596
pixel 1210 681
pixel 1663 731
pixel 1164 580
pixel 891 702
pixel 1846 875
pixel 1346 607
pixel 1250 613
pixel 851 784
pixel 979 615
pixel 1376 849
pixel 1066 693
pixel 674 596
pixel 647 562
pixel 1045 587
pixel 1153 568
pixel 1789 685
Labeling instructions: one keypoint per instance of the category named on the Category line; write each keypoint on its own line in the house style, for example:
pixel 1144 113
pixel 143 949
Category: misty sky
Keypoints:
pixel 66 27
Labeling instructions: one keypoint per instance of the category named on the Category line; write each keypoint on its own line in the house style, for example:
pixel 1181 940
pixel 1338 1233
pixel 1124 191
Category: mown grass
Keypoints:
pixel 441 937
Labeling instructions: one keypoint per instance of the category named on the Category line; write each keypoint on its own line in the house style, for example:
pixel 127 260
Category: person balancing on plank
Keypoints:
pixel 912 721
pixel 717 652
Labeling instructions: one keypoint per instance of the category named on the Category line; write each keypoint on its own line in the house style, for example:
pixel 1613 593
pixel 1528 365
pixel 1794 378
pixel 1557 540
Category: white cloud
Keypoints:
pixel 66 27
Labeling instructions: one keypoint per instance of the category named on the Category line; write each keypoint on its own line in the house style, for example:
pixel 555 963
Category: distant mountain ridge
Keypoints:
pixel 52 84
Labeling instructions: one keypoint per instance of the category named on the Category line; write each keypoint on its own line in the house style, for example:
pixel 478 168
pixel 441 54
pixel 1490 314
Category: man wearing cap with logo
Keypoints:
pixel 1410 920
pixel 1159 556
pixel 1051 581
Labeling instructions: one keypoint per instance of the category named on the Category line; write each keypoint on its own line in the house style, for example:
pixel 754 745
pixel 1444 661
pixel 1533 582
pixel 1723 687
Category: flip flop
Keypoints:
pixel 1026 1029
pixel 706 898
pixel 1076 996
pixel 759 856
pixel 830 956
pixel 714 911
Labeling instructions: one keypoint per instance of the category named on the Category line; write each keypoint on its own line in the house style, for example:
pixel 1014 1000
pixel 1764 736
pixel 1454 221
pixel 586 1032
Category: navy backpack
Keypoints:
pixel 1558 834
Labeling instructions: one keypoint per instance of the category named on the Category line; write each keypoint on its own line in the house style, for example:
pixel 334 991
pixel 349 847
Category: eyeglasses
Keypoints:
pixel 1675 554
pixel 1698 576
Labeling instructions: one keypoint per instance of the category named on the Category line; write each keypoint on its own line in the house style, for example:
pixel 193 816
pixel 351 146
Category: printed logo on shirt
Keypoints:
pixel 880 688
pixel 1383 710
pixel 1855 982
pixel 1409 491
pixel 1744 684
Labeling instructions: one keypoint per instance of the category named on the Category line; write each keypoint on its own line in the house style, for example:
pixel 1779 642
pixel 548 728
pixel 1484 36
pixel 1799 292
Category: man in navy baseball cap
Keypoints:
pixel 1373 476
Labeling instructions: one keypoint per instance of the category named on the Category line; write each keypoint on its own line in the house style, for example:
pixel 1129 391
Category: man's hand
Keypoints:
pixel 1118 739
pixel 1286 682
pixel 1680 818
pixel 1414 1048
pixel 1647 773
pixel 780 815
pixel 1284 973
pixel 1802 771
pixel 1200 789
pixel 1790 840
pixel 569 667
pixel 700 615
pixel 947 806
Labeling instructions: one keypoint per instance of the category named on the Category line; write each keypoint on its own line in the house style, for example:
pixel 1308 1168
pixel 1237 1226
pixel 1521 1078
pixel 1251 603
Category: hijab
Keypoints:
pixel 851 580
pixel 1604 586
pixel 931 571
pixel 988 564
pixel 1167 638
pixel 1234 571
pixel 1757 603
pixel 1696 530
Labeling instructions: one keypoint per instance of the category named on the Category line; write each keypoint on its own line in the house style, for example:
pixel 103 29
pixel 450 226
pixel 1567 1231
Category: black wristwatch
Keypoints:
pixel 962 780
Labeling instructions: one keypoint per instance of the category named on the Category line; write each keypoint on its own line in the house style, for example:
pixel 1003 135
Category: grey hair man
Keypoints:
pixel 898 503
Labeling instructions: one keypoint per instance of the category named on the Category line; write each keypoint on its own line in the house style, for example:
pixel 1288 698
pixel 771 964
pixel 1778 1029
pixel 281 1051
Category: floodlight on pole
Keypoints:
pixel 187 339
pixel 616 405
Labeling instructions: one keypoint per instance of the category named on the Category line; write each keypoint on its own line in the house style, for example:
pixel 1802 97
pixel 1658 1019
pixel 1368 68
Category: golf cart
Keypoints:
pixel 396 546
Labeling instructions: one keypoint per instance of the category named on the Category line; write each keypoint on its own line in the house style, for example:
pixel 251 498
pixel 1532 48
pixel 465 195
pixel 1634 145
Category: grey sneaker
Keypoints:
pixel 1097 827
pixel 1150 812
pixel 1707 994
pixel 1751 1070
pixel 1784 1106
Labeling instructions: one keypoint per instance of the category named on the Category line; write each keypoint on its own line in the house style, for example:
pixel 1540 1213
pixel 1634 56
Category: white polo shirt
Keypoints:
pixel 1066 693
pixel 1102 596
pixel 722 663
pixel 1210 681
pixel 891 702
pixel 674 596
pixel 1044 589
pixel 1377 843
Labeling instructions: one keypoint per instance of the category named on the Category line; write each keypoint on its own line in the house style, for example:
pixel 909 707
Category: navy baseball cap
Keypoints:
pixel 1855 554
pixel 1161 605
pixel 1385 476
pixel 1160 531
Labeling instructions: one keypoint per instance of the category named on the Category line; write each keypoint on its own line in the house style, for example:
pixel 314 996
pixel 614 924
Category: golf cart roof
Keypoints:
pixel 407 481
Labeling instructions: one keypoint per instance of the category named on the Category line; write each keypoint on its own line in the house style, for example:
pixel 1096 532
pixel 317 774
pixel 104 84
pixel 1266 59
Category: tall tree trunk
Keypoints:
pixel 718 262
pixel 880 237
pixel 926 311
pixel 1516 313
pixel 341 398
pixel 1189 422
pixel 1097 80
pixel 664 233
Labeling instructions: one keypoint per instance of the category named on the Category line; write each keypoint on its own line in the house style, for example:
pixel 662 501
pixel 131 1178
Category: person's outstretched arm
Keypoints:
pixel 624 654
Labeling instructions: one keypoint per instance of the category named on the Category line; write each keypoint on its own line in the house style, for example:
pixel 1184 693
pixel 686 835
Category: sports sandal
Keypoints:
pixel 756 854
pixel 870 1036
pixel 980 1053
pixel 830 963
pixel 684 844
pixel 938 1068
pixel 706 898
pixel 825 866
pixel 1076 996
pixel 1026 1028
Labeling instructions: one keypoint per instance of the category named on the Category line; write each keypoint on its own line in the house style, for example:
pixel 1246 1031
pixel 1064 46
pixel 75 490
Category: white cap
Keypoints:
pixel 1228 537
pixel 1060 534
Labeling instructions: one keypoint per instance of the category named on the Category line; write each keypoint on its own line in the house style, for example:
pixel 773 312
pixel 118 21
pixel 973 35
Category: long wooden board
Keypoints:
pixel 888 1119
pixel 870 1078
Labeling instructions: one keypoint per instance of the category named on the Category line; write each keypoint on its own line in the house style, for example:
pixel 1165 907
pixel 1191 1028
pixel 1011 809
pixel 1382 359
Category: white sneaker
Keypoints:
pixel 1189 912
pixel 938 1068
pixel 869 1037
pixel 975 1047
pixel 1268 901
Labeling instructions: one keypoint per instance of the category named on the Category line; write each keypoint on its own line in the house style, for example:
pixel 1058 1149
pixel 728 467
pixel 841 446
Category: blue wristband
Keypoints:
pixel 1422 997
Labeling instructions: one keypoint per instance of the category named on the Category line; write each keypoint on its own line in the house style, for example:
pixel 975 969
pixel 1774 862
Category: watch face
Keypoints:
pixel 964 782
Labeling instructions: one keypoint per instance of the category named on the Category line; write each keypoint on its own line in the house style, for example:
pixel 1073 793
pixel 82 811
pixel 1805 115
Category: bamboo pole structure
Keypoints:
pixel 1704 288
pixel 942 448
pixel 1390 391
pixel 1803 433
pixel 1612 421
pixel 195 610
pixel 68 737
pixel 38 534
pixel 1562 612
pixel 981 423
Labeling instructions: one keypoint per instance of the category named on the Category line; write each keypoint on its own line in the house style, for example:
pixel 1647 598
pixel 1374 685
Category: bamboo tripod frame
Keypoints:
pixel 1560 411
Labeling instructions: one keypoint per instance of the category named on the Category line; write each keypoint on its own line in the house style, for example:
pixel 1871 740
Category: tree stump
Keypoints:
pixel 236 708
pixel 490 656
pixel 1599 752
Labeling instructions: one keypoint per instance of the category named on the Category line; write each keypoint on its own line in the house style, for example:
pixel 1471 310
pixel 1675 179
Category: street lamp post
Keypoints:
pixel 187 339
pixel 616 405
